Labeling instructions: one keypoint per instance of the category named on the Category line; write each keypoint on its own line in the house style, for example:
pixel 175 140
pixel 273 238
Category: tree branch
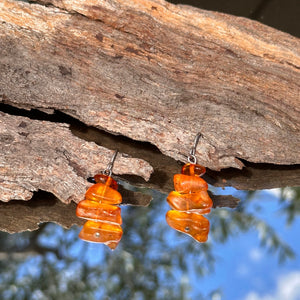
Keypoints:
pixel 160 73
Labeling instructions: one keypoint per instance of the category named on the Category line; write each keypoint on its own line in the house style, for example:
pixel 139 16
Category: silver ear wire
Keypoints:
pixel 192 159
pixel 108 170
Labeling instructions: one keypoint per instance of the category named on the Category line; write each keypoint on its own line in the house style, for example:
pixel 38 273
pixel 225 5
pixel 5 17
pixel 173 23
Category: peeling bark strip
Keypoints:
pixel 157 72
pixel 39 155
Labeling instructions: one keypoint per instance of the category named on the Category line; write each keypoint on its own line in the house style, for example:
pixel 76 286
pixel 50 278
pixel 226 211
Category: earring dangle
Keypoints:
pixel 190 200
pixel 99 208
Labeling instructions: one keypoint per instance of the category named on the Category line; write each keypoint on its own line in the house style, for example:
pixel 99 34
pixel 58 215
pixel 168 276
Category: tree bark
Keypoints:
pixel 45 156
pixel 150 71
pixel 160 73
pixel 153 72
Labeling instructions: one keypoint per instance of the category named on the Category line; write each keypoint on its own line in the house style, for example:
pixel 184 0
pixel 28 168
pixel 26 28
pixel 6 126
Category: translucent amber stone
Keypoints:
pixel 193 170
pixel 112 245
pixel 102 193
pixel 199 202
pixel 96 211
pixel 189 184
pixel 99 232
pixel 191 224
pixel 107 180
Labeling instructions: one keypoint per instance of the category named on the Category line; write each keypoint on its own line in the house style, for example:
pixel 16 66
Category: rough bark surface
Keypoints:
pixel 156 72
pixel 150 71
pixel 39 155
pixel 252 177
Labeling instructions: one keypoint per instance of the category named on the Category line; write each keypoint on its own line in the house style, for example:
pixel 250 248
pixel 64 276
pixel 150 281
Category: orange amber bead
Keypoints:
pixel 98 232
pixel 102 193
pixel 199 202
pixel 112 245
pixel 193 170
pixel 192 224
pixel 189 184
pixel 96 211
pixel 107 180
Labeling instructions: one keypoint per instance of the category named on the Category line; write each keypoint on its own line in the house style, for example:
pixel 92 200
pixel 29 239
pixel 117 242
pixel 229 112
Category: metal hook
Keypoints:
pixel 192 159
pixel 108 170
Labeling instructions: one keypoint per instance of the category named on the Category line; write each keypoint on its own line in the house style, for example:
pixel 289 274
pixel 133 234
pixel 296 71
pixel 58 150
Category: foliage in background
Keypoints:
pixel 151 262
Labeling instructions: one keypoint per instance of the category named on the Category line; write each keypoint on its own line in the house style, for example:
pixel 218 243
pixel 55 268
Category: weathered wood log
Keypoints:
pixel 157 72
pixel 38 155
pixel 161 82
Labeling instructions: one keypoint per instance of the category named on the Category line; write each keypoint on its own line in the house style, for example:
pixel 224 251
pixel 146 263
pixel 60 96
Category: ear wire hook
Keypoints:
pixel 192 159
pixel 108 170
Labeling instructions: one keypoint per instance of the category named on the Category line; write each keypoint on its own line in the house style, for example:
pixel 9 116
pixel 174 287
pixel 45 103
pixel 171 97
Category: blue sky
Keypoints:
pixel 246 271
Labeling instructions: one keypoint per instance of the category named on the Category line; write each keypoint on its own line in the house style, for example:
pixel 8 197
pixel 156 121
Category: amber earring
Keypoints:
pixel 190 200
pixel 99 208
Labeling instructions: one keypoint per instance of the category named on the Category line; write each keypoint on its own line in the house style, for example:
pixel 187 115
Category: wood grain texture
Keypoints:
pixel 39 155
pixel 156 72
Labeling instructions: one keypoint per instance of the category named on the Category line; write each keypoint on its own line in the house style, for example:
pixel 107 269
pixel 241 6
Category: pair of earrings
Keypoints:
pixel 189 202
